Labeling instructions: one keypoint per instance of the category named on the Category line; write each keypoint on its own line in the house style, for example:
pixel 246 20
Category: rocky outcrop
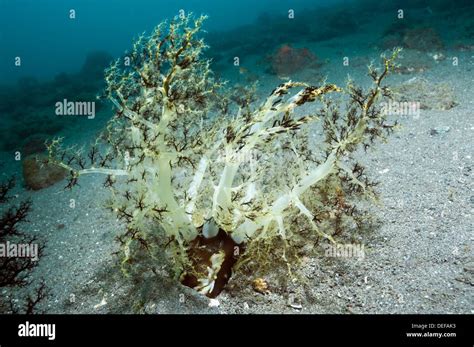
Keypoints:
pixel 38 173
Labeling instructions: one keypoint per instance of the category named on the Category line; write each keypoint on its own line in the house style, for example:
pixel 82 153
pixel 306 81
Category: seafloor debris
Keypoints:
pixel 432 96
pixel 260 286
pixel 439 130
pixel 294 302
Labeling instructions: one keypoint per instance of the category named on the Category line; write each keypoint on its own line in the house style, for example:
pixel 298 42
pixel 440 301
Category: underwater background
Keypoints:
pixel 54 50
pixel 62 54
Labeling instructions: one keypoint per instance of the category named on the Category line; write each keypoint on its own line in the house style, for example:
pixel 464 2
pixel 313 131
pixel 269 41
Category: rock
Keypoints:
pixel 39 174
pixel 288 60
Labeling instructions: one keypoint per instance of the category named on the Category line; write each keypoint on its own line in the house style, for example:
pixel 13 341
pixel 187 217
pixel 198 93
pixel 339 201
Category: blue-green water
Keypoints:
pixel 54 50
pixel 49 41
